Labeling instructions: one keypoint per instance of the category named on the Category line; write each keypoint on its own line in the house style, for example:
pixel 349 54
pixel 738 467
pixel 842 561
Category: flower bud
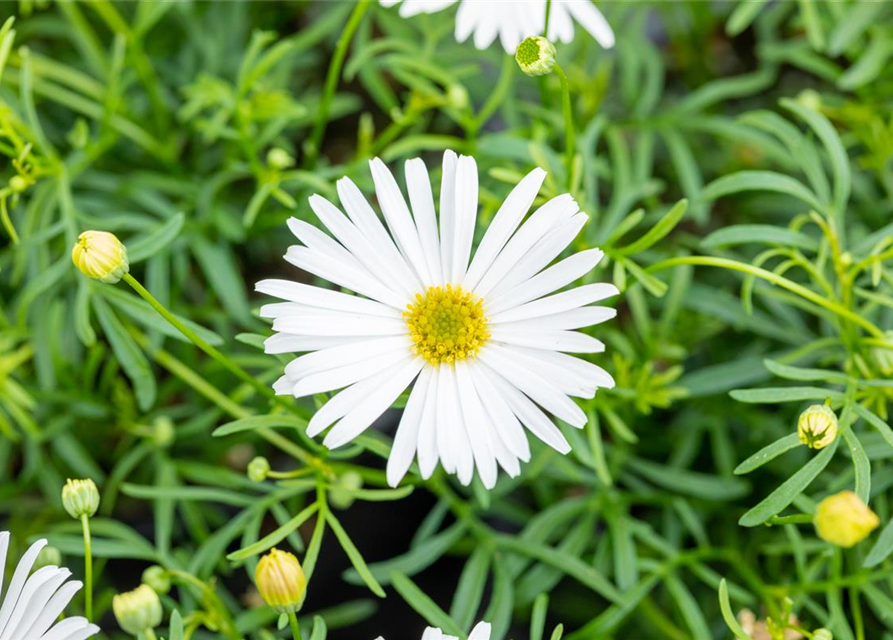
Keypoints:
pixel 281 581
pixel 157 578
pixel 536 56
pixel 100 255
pixel 80 498
pixel 817 426
pixel 342 493
pixel 48 557
pixel 279 159
pixel 18 184
pixel 163 431
pixel 822 634
pixel 258 469
pixel 137 610
pixel 843 519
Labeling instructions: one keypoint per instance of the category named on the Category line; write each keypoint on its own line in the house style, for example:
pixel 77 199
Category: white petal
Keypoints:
pixel 540 390
pixel 335 323
pixel 343 275
pixel 283 386
pixel 481 631
pixel 487 27
pixel 466 216
pixel 567 320
pixel 557 303
pixel 398 218
pixel 71 629
pixel 4 546
pixel 540 255
pixel 427 445
pixel 406 440
pixel 372 406
pixel 509 34
pixel 503 225
pixel 588 373
pixel 53 608
pixel 37 591
pixel 344 401
pixel 364 217
pixel 506 459
pixel 552 279
pixel 549 339
pixel 413 7
pixel 361 248
pixel 19 577
pixel 561 26
pixel 510 430
pixel 467 19
pixel 344 376
pixel 323 298
pixel 286 309
pixel 553 213
pixel 448 203
pixel 564 379
pixel 290 343
pixel 320 241
pixel 446 423
pixel 593 21
pixel 528 413
pixel 457 434
pixel 422 200
pixel 477 425
pixel 338 356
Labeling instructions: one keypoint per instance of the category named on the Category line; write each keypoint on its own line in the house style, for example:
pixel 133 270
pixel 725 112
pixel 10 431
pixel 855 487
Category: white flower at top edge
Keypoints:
pixel 513 20
pixel 32 604
pixel 485 338
pixel 480 632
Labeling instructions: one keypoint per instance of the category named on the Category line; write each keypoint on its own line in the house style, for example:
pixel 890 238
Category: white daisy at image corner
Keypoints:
pixel 481 631
pixel 486 339
pixel 32 604
pixel 513 20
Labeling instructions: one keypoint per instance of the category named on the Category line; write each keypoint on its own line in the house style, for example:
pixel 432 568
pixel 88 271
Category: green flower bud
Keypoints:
pixel 48 557
pixel 137 610
pixel 100 255
pixel 163 431
pixel 80 498
pixel 279 159
pixel 341 495
pixel 817 426
pixel 157 578
pixel 258 469
pixel 822 634
pixel 536 56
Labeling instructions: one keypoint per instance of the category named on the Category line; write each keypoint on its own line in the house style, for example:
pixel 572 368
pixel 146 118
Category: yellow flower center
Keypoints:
pixel 446 324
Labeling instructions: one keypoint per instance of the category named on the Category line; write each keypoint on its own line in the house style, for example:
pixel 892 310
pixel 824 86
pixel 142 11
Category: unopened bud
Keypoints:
pixel 48 557
pixel 100 255
pixel 342 494
pixel 157 578
pixel 278 158
pixel 281 581
pixel 843 519
pixel 80 498
pixel 536 56
pixel 817 426
pixel 137 610
pixel 258 469
pixel 18 184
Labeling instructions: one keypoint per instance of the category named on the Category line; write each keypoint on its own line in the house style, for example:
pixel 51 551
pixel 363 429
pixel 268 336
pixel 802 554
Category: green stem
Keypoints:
pixel 569 136
pixel 88 568
pixel 322 115
pixel 150 634
pixel 295 627
pixel 548 15
pixel 198 341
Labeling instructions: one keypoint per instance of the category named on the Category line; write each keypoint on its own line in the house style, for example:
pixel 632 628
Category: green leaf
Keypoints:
pixel 155 242
pixel 423 605
pixel 760 181
pixel 353 553
pixel 882 427
pixel 689 608
pixel 692 483
pixel 275 537
pixel 805 374
pixel 664 226
pixel 743 15
pixel 129 355
pixel 779 395
pixel 470 590
pixel 769 453
pixel 861 464
pixel 538 616
pixel 882 548
pixel 728 615
pixel 779 499
pixel 759 233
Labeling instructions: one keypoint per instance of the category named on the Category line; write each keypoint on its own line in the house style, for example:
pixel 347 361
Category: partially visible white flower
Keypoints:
pixel 32 604
pixel 489 340
pixel 480 632
pixel 514 20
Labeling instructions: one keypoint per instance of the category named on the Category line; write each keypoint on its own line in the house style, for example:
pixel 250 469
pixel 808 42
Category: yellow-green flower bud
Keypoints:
pixel 843 519
pixel 48 557
pixel 258 469
pixel 137 610
pixel 157 578
pixel 281 581
pixel 163 431
pixel 822 634
pixel 80 498
pixel 817 426
pixel 536 56
pixel 342 494
pixel 100 255
pixel 18 184
pixel 279 159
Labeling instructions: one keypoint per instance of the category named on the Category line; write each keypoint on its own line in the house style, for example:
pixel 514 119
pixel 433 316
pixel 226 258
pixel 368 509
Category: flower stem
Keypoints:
pixel 295 627
pixel 88 568
pixel 569 135
pixel 322 115
pixel 198 341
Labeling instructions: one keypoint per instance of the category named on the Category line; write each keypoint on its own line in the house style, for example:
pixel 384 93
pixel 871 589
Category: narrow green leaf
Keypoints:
pixel 768 453
pixel 275 537
pixel 423 605
pixel 861 464
pixel 129 355
pixel 470 589
pixel 353 553
pixel 760 181
pixel 759 233
pixel 882 547
pixel 780 395
pixel 154 242
pixel 728 615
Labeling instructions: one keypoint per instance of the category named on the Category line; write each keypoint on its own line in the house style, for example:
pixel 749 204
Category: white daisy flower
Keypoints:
pixel 32 604
pixel 514 20
pixel 483 338
pixel 481 631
